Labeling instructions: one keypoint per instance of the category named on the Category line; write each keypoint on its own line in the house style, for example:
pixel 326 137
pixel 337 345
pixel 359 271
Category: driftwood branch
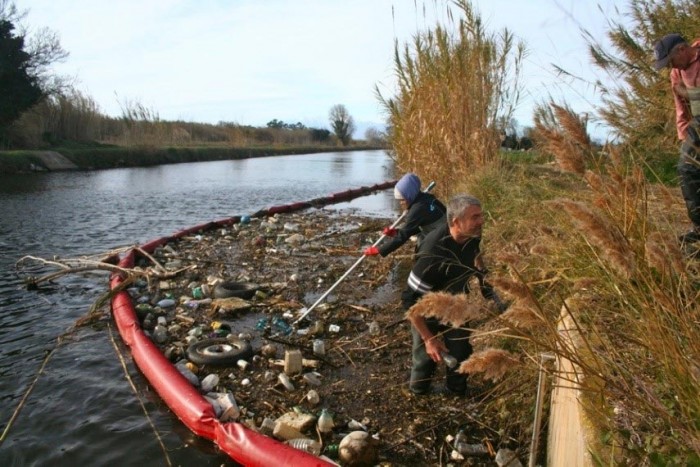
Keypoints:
pixel 79 265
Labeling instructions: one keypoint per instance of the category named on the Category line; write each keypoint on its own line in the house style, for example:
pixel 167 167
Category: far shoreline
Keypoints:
pixel 112 157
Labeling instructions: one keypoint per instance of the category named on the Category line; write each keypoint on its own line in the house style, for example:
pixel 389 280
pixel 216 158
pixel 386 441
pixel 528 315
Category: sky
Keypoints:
pixel 252 61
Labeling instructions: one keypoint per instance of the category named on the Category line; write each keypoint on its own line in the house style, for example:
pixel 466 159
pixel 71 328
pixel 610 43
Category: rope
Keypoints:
pixel 26 394
pixel 80 322
pixel 133 387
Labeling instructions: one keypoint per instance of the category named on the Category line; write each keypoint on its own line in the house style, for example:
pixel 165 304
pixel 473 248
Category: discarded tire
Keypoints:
pixel 234 289
pixel 219 351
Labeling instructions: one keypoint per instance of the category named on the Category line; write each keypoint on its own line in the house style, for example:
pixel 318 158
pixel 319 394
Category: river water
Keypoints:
pixel 82 409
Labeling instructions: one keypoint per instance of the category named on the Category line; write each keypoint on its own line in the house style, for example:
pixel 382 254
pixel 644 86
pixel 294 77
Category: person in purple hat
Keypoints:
pixel 675 52
pixel 425 213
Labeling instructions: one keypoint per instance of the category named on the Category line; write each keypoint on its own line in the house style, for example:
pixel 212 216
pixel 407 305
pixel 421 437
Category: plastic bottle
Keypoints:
pixel 188 374
pixel 304 444
pixel 230 410
pixel 311 379
pixel 166 303
pixel 319 347
pixel 281 325
pixel 469 449
pixel 209 382
pixel 332 451
pixel 449 360
pixel 243 364
pixel 160 334
pixel 325 422
pixel 286 382
pixel 261 324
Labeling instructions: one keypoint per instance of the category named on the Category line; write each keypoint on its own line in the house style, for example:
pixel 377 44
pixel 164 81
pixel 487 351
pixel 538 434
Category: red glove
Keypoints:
pixel 389 231
pixel 371 251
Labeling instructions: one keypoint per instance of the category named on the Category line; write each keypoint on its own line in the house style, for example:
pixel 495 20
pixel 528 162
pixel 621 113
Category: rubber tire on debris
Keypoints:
pixel 234 289
pixel 219 351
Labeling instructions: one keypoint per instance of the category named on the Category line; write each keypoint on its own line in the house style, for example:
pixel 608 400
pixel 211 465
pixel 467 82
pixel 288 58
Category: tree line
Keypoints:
pixel 39 108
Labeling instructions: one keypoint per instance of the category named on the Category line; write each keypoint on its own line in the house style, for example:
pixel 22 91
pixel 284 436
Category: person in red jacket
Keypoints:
pixel 675 52
pixel 425 213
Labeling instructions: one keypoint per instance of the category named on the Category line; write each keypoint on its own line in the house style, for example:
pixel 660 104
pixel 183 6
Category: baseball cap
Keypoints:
pixel 663 47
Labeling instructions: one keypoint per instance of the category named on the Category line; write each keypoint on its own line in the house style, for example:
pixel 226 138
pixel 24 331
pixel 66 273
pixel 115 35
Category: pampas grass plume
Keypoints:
pixel 490 364
pixel 452 309
pixel 521 317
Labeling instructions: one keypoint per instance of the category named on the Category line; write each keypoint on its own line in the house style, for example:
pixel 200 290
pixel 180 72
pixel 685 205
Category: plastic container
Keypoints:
pixel 325 422
pixel 209 382
pixel 311 379
pixel 230 408
pixel 449 360
pixel 187 373
pixel 313 397
pixel 166 303
pixel 281 325
pixel 286 382
pixel 467 449
pixel 319 347
pixel 160 334
pixel 305 444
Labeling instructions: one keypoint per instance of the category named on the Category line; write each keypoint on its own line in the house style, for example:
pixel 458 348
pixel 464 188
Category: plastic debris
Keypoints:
pixel 311 379
pixel 449 360
pixel 325 422
pixel 304 444
pixel 166 303
pixel 286 382
pixel 209 382
pixel 281 325
pixel 313 397
pixel 319 347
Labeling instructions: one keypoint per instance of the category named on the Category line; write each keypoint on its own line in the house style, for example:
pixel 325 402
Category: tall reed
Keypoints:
pixel 457 87
pixel 602 251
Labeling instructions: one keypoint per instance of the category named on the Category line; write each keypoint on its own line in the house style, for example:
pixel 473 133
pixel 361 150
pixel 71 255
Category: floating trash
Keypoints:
pixel 209 382
pixel 325 422
pixel 304 444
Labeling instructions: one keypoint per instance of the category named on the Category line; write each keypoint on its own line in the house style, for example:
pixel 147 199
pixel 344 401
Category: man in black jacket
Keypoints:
pixel 425 213
pixel 448 257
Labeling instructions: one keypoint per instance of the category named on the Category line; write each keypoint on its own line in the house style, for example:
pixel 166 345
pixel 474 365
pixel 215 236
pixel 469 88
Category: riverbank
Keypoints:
pixel 111 157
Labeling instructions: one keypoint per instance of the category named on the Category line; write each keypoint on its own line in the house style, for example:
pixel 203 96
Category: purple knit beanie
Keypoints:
pixel 407 188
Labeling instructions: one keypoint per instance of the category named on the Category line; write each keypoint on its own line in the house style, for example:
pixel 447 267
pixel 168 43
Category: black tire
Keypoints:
pixel 219 351
pixel 234 289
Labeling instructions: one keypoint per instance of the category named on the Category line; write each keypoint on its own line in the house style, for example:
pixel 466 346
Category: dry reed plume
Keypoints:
pixel 457 85
pixel 489 364
pixel 664 254
pixel 601 233
pixel 451 309
pixel 562 134
pixel 522 317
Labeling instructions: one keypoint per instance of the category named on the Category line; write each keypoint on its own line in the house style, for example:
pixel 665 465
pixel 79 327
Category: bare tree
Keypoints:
pixel 342 123
pixel 43 47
